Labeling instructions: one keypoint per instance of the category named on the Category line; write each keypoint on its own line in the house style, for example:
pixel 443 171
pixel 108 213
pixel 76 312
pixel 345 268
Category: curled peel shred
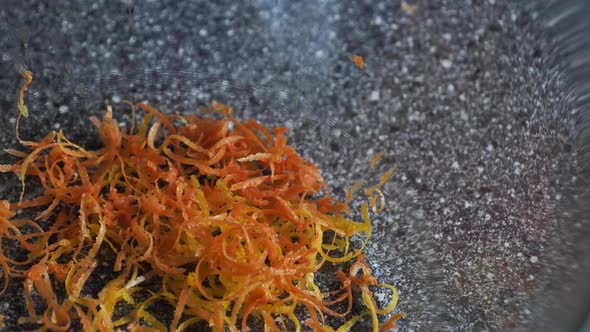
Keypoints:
pixel 223 220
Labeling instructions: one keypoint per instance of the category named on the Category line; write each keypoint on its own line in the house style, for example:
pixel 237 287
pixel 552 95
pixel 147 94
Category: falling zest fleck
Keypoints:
pixel 358 60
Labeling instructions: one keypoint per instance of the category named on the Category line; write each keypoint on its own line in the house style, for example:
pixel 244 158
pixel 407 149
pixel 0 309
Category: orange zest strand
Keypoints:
pixel 225 224
pixel 358 61
pixel 390 324
pixel 375 159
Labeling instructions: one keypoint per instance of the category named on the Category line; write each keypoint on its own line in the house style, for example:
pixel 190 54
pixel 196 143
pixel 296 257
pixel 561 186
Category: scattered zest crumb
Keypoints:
pixel 407 8
pixel 358 60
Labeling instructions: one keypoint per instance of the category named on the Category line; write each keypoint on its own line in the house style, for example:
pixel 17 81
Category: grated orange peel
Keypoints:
pixel 222 218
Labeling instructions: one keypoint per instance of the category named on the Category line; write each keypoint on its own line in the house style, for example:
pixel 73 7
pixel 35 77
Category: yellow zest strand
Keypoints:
pixel 22 108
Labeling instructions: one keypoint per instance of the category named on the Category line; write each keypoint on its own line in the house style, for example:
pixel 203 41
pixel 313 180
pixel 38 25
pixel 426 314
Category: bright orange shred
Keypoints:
pixel 358 61
pixel 222 219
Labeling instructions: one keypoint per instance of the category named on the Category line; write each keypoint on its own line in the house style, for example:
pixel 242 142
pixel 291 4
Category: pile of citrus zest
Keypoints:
pixel 358 61
pixel 228 221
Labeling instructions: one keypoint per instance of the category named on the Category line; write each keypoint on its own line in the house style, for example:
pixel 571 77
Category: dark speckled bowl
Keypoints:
pixel 483 105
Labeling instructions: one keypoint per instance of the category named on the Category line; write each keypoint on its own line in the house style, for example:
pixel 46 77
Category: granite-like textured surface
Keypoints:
pixel 456 93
